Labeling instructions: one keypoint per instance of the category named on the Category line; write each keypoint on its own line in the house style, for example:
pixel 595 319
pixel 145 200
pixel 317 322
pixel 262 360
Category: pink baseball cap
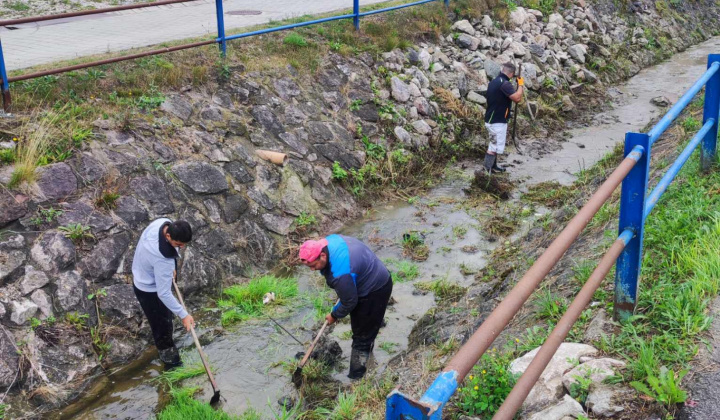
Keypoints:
pixel 310 250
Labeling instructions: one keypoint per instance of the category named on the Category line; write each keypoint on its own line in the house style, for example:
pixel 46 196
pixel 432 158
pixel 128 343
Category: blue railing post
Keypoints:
pixel 5 85
pixel 222 42
pixel 447 3
pixel 356 14
pixel 632 208
pixel 711 110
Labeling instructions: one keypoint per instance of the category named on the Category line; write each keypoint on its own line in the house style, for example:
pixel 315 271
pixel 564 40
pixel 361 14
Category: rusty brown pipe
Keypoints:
pixel 31 19
pixel 108 61
pixel 481 340
pixel 522 388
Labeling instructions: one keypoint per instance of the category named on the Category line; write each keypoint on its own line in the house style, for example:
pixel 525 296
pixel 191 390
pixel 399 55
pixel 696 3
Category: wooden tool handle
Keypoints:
pixel 195 339
pixel 312 346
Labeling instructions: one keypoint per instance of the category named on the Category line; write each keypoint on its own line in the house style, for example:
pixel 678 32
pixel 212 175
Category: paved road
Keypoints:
pixel 65 39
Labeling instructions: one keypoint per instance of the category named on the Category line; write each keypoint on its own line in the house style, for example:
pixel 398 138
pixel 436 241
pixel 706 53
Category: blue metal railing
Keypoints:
pixel 635 205
pixel 221 38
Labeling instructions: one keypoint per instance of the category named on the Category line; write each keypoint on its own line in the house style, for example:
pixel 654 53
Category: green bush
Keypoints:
pixel 484 390
pixel 338 172
pixel 665 388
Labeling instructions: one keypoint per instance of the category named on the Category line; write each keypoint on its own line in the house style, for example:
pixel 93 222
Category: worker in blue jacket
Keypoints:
pixel 363 284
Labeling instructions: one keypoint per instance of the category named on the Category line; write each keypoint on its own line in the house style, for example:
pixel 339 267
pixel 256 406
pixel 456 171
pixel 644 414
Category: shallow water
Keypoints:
pixel 247 357
pixel 631 111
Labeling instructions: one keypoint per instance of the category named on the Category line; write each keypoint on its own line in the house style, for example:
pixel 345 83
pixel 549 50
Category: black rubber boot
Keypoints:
pixel 358 363
pixel 489 162
pixel 170 357
pixel 496 168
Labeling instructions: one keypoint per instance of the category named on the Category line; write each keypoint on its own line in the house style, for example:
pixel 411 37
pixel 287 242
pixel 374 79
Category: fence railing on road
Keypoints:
pixel 635 205
pixel 221 38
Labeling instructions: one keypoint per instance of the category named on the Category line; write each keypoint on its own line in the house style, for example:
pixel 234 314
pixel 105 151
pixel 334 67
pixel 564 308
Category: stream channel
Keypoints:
pixel 247 356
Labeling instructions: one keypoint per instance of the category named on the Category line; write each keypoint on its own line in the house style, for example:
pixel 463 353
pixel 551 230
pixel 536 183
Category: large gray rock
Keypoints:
pixel 492 69
pixel 56 181
pixel 199 273
pixel 568 407
pixel 291 140
pixel 71 291
pixel 549 386
pixel 177 106
pixel 238 171
pixel 22 310
pixel 84 214
pixel 600 399
pixel 476 98
pixel 335 152
pixel 400 89
pixel 278 224
pixel 235 206
pixel 598 327
pixel 152 190
pixel 518 17
pixel 468 41
pixel 10 208
pixel 11 262
pixel 53 252
pixel 9 358
pixel 577 52
pixel 215 242
pixel 131 211
pixel 421 127
pixel 32 280
pixel 213 210
pixel 259 245
pixel 120 307
pixel 43 301
pixel 464 26
pixel 267 119
pixel 89 169
pixel 596 370
pixel 103 261
pixel 201 177
pixel 286 88
pixel 403 136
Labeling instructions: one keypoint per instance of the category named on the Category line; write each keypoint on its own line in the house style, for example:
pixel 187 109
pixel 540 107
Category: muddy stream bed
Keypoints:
pixel 247 357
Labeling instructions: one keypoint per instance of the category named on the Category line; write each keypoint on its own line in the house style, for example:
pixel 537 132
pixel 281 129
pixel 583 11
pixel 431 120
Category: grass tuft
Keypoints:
pixel 183 407
pixel 244 301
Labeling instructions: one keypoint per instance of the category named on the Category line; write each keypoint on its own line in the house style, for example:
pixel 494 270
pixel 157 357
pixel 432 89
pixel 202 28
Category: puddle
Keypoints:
pixel 248 358
pixel 631 111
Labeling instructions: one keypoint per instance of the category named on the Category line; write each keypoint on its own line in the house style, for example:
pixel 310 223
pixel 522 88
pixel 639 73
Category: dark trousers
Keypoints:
pixel 160 319
pixel 367 317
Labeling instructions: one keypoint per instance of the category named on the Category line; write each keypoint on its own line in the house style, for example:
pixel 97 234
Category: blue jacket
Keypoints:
pixel 353 270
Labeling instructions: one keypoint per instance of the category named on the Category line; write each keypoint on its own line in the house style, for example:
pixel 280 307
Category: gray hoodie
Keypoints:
pixel 154 264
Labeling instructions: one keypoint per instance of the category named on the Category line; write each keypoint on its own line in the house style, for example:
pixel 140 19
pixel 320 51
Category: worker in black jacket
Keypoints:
pixel 363 284
pixel 500 96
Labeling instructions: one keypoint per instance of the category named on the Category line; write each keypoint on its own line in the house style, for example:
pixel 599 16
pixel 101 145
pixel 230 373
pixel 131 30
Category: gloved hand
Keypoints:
pixel 521 81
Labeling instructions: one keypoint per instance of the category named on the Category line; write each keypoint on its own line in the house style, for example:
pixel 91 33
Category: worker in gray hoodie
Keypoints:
pixel 153 270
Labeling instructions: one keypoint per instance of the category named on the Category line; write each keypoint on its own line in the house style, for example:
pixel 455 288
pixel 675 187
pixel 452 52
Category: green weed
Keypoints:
pixel 414 246
pixel 388 347
pixel 183 406
pixel 691 124
pixel 484 390
pixel 192 367
pixel 460 231
pixel 244 301
pixel 7 156
pixel 338 173
pixel 79 321
pixel 305 220
pixel 443 289
pixel 76 232
pixel 402 271
pixel 107 200
pixel 345 408
pixel 43 216
pixel 665 388
pixel 550 306
pixel 296 40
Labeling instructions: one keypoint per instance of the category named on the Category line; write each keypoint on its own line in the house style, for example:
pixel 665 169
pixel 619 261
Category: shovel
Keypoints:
pixel 216 392
pixel 297 375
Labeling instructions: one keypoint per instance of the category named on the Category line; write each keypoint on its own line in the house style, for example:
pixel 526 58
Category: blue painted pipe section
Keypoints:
pixel 285 27
pixel 675 168
pixel 356 14
pixel 221 27
pixel 402 6
pixel 626 236
pixel 673 113
pixel 3 71
pixel 440 391
pixel 708 153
